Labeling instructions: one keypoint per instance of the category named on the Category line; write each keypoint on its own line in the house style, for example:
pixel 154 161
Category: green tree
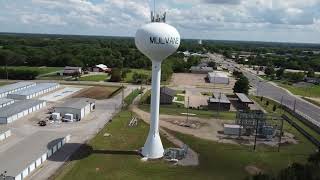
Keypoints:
pixel 242 85
pixel 280 72
pixel 269 71
pixel 115 75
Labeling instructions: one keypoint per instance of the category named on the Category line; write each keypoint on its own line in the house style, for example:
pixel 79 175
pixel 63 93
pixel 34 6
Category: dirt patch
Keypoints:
pixel 97 92
pixel 253 170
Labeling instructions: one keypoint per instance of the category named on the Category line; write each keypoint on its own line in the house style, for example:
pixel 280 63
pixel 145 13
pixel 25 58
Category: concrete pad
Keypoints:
pixel 58 95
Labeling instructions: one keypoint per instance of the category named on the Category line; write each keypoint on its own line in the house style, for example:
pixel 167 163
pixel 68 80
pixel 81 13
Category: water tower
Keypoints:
pixel 157 40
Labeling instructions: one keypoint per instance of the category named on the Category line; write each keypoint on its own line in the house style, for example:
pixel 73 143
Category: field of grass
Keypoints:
pixel 180 98
pixel 4 83
pixel 176 109
pixel 311 91
pixel 129 99
pixel 41 70
pixel 112 157
pixel 96 77
pixel 128 78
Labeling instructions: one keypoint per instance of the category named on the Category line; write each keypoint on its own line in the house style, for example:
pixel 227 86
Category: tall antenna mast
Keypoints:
pixel 157 17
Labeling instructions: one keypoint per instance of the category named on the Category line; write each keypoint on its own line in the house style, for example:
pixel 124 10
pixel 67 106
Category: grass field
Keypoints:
pixel 180 98
pixel 311 91
pixel 174 109
pixel 112 158
pixel 129 99
pixel 128 78
pixel 4 83
pixel 96 77
pixel 41 70
pixel 98 92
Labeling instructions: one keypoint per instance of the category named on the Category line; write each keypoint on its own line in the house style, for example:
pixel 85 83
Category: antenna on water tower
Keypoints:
pixel 157 40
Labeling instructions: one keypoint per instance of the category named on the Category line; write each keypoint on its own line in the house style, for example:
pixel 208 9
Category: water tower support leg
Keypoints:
pixel 153 148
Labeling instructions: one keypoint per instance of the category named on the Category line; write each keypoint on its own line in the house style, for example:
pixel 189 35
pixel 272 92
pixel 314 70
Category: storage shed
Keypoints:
pixel 19 109
pixel 219 101
pixel 166 95
pixel 5 102
pixel 218 77
pixel 39 89
pixel 243 101
pixel 232 129
pixel 78 107
pixel 11 88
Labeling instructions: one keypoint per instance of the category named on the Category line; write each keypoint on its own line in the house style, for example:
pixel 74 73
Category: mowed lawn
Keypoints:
pixel 96 77
pixel 175 110
pixel 311 91
pixel 111 157
pixel 41 70
pixel 128 78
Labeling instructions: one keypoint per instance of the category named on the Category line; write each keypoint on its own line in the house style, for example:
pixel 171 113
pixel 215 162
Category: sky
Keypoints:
pixel 248 20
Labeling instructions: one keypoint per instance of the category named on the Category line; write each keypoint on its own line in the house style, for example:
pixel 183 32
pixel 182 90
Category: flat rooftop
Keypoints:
pixel 218 74
pixel 244 98
pixel 32 90
pixel 5 101
pixel 23 153
pixel 219 97
pixel 76 103
pixel 18 107
pixel 10 87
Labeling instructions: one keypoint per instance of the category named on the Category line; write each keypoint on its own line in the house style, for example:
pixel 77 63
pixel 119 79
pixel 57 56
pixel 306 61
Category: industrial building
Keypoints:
pixel 232 129
pixel 12 112
pixel 219 102
pixel 74 109
pixel 243 101
pixel 11 88
pixel 39 89
pixel 5 102
pixel 201 69
pixel 218 77
pixel 166 95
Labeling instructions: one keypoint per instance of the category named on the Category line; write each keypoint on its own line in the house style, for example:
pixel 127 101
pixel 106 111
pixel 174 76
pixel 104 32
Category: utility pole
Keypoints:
pixel 218 112
pixel 280 135
pixel 282 104
pixel 188 106
pixel 256 134
pixel 122 96
pixel 294 105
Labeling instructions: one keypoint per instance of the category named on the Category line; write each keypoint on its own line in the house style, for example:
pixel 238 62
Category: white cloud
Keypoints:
pixel 194 18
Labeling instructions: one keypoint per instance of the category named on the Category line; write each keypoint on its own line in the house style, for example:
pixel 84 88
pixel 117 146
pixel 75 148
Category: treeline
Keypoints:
pixel 18 74
pixel 296 171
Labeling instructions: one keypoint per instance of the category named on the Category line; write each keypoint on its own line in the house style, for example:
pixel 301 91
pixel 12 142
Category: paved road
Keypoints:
pixel 270 90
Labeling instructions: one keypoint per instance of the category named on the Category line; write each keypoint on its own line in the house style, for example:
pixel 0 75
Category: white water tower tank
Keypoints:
pixel 157 40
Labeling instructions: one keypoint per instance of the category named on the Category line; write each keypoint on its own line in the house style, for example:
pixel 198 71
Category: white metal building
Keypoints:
pixel 19 109
pixel 232 129
pixel 75 108
pixel 11 88
pixel 5 102
pixel 218 77
pixel 39 89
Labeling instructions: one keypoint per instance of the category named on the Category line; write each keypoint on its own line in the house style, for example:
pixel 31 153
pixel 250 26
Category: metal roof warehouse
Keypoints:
pixel 11 88
pixel 5 102
pixel 19 109
pixel 38 90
